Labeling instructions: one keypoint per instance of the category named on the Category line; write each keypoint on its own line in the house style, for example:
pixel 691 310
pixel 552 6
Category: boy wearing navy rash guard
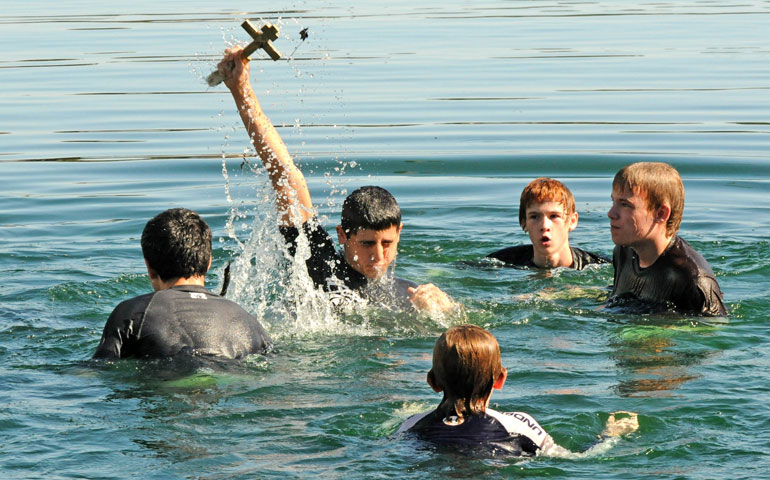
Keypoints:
pixel 466 368
pixel 547 213
pixel 180 316
pixel 371 219
pixel 655 269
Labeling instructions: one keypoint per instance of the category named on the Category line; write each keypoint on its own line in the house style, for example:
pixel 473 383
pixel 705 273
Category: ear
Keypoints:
pixel 155 280
pixel 663 213
pixel 151 272
pixel 500 381
pixel 573 221
pixel 343 239
pixel 209 267
pixel 432 382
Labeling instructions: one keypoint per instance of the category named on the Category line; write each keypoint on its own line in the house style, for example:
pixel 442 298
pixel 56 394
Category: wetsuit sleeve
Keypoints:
pixel 711 303
pixel 118 337
pixel 323 256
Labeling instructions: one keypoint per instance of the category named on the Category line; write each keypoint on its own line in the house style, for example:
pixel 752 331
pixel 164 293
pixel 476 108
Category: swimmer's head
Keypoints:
pixel 542 190
pixel 370 207
pixel 370 230
pixel 177 244
pixel 466 366
pixel 659 184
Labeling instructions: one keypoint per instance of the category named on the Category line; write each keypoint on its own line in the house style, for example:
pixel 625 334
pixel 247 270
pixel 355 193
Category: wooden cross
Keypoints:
pixel 262 40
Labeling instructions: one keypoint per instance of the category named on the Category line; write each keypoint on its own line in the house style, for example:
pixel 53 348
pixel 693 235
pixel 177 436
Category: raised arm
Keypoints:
pixel 293 197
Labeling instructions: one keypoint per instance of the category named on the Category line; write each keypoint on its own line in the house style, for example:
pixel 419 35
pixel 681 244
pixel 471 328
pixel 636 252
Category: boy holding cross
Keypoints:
pixel 371 218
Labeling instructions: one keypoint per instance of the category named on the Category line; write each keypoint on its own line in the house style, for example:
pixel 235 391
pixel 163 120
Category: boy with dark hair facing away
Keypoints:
pixel 466 368
pixel 181 316
pixel 655 268
pixel 371 219
pixel 547 213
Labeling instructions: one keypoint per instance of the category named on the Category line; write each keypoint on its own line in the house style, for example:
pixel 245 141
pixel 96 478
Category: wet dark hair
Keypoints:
pixel 370 207
pixel 177 244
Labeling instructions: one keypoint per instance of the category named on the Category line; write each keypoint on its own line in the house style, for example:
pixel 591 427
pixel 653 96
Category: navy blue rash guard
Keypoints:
pixel 515 433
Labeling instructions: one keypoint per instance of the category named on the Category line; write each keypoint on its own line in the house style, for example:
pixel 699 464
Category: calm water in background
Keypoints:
pixel 453 107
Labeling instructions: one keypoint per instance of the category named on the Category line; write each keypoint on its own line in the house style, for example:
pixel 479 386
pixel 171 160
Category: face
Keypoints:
pixel 370 252
pixel 549 226
pixel 631 222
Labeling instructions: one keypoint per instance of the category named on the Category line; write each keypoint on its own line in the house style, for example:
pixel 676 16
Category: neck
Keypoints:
pixel 649 252
pixel 562 258
pixel 160 284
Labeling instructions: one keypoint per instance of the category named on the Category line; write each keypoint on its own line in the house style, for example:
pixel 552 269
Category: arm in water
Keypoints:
pixel 292 194
pixel 618 424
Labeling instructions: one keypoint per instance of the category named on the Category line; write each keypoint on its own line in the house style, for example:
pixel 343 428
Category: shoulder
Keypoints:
pixel 684 256
pixel 411 422
pixel 519 255
pixel 582 258
pixel 128 307
pixel 404 284
pixel 313 231
pixel 520 423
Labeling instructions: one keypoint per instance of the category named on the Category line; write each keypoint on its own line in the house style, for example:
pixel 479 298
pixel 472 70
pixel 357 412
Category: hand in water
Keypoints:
pixel 621 423
pixel 431 299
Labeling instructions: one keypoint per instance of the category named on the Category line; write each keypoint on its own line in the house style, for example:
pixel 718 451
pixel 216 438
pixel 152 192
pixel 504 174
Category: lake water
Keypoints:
pixel 453 106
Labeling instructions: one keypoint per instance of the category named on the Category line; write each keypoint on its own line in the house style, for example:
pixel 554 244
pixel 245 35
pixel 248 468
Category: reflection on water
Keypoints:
pixel 650 360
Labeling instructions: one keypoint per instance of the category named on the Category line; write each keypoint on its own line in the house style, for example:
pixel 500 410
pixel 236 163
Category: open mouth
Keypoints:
pixel 545 240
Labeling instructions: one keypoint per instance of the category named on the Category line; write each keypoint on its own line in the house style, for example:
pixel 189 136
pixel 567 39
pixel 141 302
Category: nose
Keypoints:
pixel 611 212
pixel 545 223
pixel 378 253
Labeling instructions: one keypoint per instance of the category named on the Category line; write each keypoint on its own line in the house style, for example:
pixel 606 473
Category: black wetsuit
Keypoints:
pixel 184 319
pixel 522 256
pixel 330 271
pixel 516 433
pixel 680 279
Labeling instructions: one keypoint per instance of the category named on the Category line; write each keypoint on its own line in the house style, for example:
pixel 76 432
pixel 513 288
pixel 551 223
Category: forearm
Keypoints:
pixel 292 195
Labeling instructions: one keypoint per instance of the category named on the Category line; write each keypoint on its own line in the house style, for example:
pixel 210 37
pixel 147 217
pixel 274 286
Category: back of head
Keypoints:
pixel 370 207
pixel 541 190
pixel 466 363
pixel 659 183
pixel 177 244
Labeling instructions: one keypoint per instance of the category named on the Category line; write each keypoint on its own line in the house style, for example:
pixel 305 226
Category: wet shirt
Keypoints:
pixel 329 270
pixel 516 433
pixel 183 319
pixel 522 256
pixel 680 279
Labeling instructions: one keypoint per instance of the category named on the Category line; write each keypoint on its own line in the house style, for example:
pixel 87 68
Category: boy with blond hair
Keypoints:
pixel 655 269
pixel 547 213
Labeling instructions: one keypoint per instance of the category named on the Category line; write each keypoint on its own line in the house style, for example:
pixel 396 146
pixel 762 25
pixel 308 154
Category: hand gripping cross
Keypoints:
pixel 262 40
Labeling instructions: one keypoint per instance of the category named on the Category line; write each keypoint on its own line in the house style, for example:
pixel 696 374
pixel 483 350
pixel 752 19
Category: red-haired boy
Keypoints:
pixel 547 213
